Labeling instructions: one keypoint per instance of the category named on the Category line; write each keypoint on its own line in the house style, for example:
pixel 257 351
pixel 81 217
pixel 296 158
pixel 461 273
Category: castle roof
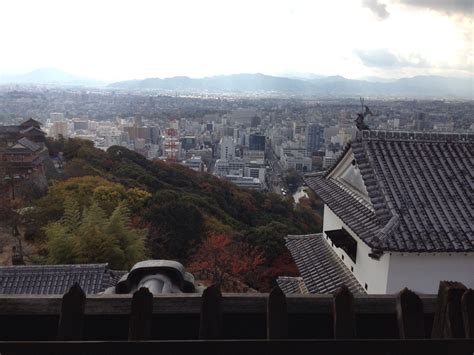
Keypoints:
pixel 419 191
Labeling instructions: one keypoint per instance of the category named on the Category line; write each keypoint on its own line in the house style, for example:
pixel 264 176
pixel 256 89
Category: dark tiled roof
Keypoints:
pixel 421 187
pixel 56 279
pixel 292 285
pixel 29 144
pixel 320 267
pixel 30 122
pixel 351 210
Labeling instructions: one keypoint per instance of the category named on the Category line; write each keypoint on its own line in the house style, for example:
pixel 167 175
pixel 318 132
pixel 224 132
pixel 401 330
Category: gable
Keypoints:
pixel 348 173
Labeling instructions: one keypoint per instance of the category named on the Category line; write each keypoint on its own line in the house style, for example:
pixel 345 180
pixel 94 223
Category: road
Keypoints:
pixel 276 172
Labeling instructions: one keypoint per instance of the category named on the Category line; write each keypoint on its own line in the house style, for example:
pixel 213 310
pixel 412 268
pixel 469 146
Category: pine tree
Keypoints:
pixel 130 241
pixel 92 243
pixel 59 244
pixel 71 219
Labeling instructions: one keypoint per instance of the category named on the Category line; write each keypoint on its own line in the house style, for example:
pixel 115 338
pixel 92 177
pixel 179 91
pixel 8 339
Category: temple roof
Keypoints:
pixel 292 285
pixel 319 266
pixel 56 279
pixel 420 188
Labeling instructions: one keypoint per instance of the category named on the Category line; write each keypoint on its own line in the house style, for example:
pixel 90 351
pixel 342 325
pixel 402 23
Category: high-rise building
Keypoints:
pixel 257 142
pixel 59 128
pixel 227 147
pixel 314 138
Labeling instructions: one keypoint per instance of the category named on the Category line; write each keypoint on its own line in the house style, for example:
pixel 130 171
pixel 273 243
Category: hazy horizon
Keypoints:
pixel 124 40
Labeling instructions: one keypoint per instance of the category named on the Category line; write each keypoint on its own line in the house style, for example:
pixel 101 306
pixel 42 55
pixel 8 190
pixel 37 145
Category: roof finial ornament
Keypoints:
pixel 365 111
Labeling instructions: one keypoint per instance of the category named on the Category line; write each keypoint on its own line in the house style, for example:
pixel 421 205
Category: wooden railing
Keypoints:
pixel 426 324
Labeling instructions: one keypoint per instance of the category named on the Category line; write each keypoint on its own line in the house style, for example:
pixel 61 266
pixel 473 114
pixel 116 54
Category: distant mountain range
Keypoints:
pixel 298 84
pixel 337 86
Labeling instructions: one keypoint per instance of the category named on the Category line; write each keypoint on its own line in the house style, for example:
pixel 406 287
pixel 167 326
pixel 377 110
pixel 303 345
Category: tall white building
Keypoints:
pixel 227 148
pixel 59 128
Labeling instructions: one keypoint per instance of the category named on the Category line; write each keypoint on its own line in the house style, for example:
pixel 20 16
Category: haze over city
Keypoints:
pixel 120 40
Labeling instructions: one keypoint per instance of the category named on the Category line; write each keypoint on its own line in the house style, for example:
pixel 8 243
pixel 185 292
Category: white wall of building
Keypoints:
pixel 368 271
pixel 423 272
pixel 394 271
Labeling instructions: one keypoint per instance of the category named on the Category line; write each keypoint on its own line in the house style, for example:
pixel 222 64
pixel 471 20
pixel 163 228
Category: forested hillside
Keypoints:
pixel 119 207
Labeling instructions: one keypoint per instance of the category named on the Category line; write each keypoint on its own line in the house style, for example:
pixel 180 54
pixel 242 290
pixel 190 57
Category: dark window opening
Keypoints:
pixel 342 239
pixel 366 287
pixel 352 268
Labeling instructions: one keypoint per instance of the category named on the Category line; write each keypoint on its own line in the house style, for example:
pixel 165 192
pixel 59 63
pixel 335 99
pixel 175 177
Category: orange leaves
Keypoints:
pixel 223 258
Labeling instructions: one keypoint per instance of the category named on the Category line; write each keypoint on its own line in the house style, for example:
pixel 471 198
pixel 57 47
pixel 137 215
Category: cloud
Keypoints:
pixel 379 58
pixel 383 58
pixel 379 9
pixel 463 7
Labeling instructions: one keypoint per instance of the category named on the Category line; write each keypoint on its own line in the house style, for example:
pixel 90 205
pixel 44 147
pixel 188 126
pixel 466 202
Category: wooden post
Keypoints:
pixel 277 316
pixel 410 315
pixel 454 319
pixel 71 320
pixel 141 315
pixel 344 315
pixel 445 292
pixel 210 326
pixel 467 307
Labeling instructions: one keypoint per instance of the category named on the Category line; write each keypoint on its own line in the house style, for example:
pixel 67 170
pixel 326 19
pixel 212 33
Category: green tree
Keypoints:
pixel 97 239
pixel 60 245
pixel 293 180
pixel 108 197
pixel 130 241
pixel 178 229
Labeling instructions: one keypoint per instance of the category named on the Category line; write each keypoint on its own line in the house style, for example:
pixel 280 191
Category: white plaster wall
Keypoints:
pixel 368 271
pixel 423 272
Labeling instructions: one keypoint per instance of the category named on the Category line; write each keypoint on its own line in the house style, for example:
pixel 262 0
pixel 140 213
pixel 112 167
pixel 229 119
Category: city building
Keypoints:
pixel 296 161
pixel 59 129
pixel 257 142
pixel 245 182
pixel 314 138
pixel 194 163
pixel 227 148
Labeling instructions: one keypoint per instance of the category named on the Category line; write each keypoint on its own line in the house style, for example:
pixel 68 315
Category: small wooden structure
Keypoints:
pixel 213 323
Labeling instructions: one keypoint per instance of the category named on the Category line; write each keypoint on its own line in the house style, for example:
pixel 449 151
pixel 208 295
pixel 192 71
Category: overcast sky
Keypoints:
pixel 116 40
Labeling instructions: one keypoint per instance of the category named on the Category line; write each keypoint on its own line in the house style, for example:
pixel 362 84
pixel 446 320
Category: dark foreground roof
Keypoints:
pixel 421 189
pixel 319 266
pixel 56 279
pixel 292 285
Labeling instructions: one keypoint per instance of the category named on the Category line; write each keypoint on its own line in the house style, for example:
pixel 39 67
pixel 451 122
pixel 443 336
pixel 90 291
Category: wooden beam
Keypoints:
pixel 344 315
pixel 210 325
pixel 454 327
pixel 467 306
pixel 191 304
pixel 248 347
pixel 71 319
pixel 444 292
pixel 277 316
pixel 410 315
pixel 141 316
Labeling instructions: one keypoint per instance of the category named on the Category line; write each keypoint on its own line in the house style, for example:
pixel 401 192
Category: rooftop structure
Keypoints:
pixel 398 209
pixel 159 276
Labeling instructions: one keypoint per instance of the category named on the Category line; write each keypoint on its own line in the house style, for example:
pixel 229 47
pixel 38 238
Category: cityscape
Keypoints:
pixel 232 177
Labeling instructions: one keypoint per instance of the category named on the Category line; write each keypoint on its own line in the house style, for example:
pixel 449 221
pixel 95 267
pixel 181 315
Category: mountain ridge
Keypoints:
pixel 417 86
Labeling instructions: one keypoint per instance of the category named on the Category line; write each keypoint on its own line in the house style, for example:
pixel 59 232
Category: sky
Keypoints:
pixel 134 39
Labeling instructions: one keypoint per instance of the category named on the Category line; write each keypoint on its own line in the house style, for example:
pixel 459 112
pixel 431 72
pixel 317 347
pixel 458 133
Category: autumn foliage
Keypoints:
pixel 224 260
pixel 195 218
